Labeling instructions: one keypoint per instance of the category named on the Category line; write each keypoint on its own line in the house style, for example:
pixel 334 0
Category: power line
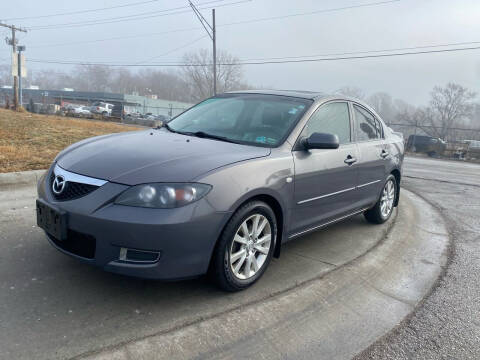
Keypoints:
pixel 84 11
pixel 220 25
pixel 149 15
pixel 259 62
pixel 356 57
pixel 241 61
pixel 173 50
pixel 312 12
pixel 365 51
pixel 115 38
pixel 138 16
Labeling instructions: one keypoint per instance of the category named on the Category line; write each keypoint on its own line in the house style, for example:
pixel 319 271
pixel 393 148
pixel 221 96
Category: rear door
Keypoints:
pixel 372 154
pixel 325 179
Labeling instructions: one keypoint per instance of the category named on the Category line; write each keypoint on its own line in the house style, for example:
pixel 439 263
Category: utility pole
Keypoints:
pixel 214 41
pixel 212 33
pixel 20 69
pixel 13 41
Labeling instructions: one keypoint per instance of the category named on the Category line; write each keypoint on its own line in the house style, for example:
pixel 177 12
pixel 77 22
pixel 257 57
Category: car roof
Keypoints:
pixel 310 95
pixel 292 93
pixel 303 94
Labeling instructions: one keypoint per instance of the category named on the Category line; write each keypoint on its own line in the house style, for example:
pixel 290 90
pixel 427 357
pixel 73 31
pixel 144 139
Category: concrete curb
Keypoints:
pixel 24 178
pixel 334 316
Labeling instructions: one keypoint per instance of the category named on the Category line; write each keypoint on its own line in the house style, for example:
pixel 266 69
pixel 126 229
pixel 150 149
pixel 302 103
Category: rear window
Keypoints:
pixel 366 126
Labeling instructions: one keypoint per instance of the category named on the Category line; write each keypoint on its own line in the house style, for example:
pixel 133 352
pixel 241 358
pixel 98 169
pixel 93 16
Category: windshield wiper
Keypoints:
pixel 202 134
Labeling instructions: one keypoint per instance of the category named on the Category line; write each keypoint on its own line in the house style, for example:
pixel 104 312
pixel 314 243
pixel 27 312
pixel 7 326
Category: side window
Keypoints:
pixel 331 118
pixel 366 126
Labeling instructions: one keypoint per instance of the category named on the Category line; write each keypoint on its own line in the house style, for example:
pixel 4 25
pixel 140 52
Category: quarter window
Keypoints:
pixel 331 118
pixel 366 126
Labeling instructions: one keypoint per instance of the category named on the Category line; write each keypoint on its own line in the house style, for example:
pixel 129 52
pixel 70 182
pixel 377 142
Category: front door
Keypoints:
pixel 325 179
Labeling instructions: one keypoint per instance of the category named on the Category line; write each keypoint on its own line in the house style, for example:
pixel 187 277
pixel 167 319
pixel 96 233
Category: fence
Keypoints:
pixel 454 134
pixel 459 142
pixel 48 100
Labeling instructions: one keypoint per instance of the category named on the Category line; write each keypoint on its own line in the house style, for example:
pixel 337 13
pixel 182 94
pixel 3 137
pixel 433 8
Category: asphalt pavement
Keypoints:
pixel 447 324
pixel 54 307
pixel 330 295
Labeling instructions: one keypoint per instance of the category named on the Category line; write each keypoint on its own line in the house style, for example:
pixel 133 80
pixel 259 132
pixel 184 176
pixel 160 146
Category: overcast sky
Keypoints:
pixel 401 24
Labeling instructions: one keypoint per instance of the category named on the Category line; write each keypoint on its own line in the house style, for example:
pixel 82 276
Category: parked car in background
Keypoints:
pixel 221 186
pixel 163 118
pixel 473 150
pixel 82 111
pixel 149 116
pixel 118 111
pixel 133 115
pixel 102 108
pixel 429 145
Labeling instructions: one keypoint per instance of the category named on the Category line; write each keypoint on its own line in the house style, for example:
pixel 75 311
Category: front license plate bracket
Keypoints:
pixel 52 219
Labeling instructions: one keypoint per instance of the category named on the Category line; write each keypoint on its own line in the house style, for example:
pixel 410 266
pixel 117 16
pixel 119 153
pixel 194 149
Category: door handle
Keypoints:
pixel 384 153
pixel 350 160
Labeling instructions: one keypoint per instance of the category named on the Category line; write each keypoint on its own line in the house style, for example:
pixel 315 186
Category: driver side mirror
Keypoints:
pixel 321 141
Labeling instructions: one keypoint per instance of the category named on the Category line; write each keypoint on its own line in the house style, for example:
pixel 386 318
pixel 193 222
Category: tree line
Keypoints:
pixel 190 83
pixel 451 107
pixel 452 114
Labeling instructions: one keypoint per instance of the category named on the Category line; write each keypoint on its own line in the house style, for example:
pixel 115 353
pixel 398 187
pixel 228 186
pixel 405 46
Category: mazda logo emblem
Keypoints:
pixel 58 184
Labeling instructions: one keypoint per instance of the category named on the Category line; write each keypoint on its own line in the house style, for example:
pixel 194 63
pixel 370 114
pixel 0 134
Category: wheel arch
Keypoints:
pixel 271 200
pixel 398 176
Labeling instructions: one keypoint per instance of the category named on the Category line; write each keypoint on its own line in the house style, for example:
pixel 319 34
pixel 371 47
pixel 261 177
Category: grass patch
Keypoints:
pixel 31 141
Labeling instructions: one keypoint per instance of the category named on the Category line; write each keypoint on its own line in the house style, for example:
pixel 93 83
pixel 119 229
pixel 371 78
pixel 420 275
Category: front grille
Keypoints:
pixel 72 190
pixel 77 243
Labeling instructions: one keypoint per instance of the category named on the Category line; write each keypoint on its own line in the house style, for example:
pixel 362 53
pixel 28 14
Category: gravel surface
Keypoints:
pixel 447 324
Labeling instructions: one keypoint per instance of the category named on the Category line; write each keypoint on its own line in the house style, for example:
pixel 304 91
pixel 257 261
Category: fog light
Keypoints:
pixel 138 256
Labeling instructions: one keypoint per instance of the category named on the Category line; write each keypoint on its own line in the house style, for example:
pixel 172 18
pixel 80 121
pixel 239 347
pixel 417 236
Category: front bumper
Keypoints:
pixel 183 237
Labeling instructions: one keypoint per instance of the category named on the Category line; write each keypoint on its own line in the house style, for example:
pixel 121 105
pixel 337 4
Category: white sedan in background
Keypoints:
pixel 82 111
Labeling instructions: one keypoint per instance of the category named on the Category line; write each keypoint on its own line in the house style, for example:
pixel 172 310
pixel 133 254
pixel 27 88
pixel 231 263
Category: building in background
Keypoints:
pixel 130 103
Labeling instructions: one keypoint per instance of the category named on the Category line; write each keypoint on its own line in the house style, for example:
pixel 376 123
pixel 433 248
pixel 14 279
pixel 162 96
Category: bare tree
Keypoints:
pixel 351 91
pixel 383 105
pixel 198 75
pixel 5 74
pixel 449 107
pixel 92 77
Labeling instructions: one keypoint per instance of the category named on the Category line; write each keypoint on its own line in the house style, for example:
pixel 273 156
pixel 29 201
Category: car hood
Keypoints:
pixel 152 156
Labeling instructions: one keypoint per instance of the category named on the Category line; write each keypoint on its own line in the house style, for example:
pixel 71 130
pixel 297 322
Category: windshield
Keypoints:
pixel 253 119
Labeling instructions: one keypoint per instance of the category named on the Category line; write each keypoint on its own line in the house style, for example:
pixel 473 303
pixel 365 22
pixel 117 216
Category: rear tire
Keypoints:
pixel 383 209
pixel 245 247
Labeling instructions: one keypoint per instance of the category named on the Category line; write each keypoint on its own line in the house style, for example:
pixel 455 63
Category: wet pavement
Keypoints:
pixel 447 324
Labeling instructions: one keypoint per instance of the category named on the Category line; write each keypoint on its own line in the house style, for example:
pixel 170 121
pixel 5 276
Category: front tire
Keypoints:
pixel 383 209
pixel 245 247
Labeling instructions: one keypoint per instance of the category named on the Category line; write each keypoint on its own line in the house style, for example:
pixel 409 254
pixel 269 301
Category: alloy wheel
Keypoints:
pixel 250 246
pixel 387 199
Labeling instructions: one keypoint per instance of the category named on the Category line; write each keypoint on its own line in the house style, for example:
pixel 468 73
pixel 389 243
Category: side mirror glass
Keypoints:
pixel 321 141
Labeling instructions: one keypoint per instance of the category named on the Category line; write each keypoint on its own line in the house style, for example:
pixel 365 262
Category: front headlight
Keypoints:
pixel 162 196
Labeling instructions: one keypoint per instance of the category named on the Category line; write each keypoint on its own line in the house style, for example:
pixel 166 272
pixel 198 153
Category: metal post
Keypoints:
pixel 15 78
pixel 19 66
pixel 214 38
pixel 212 33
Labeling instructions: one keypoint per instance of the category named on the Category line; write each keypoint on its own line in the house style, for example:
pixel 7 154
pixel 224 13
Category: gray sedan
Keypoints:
pixel 222 186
